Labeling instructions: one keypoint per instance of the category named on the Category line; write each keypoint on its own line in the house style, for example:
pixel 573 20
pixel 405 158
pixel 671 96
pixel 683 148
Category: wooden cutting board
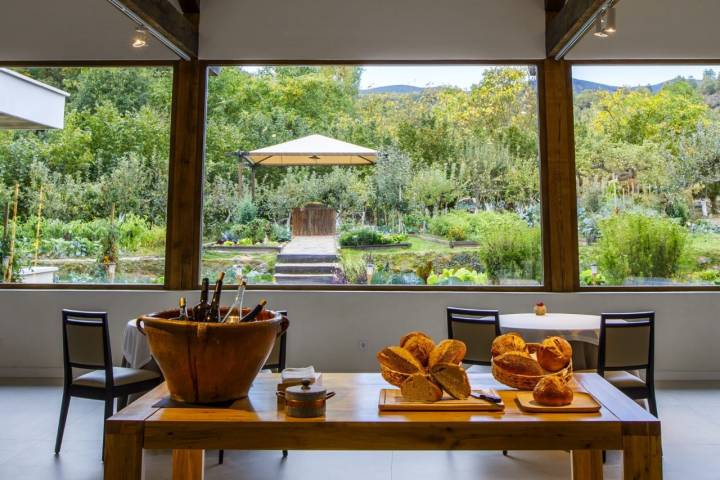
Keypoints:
pixel 582 403
pixel 391 400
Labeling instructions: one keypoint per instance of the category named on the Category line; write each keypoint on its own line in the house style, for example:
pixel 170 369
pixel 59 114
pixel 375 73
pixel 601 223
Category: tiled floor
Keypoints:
pixel 28 419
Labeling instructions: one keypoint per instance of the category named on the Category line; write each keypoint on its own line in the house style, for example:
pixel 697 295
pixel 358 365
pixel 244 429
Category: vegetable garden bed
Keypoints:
pixel 379 246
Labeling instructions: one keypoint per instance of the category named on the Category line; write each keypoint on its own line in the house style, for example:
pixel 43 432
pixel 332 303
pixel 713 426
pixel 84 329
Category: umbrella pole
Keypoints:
pixel 9 272
pixel 241 193
pixel 252 183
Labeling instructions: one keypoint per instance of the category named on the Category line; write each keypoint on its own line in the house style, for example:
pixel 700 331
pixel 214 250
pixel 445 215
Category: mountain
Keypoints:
pixel 392 89
pixel 582 85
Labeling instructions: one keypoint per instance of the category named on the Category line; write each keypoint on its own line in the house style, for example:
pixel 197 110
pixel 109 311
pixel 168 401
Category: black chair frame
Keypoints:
pixel 630 320
pixel 475 317
pixel 110 391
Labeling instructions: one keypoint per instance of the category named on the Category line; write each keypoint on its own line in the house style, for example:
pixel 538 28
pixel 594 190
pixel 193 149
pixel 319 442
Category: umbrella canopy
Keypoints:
pixel 26 104
pixel 313 150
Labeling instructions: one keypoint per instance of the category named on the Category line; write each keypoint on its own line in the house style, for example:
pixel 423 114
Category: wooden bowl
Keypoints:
pixel 210 362
pixel 528 382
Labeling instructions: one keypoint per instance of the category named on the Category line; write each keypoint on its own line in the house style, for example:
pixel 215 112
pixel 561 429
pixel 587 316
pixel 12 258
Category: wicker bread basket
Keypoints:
pixel 528 382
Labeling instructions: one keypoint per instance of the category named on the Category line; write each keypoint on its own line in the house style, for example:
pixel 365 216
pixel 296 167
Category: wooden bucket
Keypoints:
pixel 210 362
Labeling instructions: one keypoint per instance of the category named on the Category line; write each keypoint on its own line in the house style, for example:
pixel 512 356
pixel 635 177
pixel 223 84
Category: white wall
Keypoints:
pixel 327 327
pixel 657 29
pixel 372 29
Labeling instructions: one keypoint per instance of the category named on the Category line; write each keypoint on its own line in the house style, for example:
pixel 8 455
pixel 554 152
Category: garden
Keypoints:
pixel 453 199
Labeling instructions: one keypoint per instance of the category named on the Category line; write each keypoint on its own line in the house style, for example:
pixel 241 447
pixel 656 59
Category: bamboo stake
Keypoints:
pixel 5 222
pixel 37 229
pixel 8 272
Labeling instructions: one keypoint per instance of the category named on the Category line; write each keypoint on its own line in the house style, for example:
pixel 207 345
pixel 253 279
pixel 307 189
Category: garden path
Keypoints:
pixel 308 259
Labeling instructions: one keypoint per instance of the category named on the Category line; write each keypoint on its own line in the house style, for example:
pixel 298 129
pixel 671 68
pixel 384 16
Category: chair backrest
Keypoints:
pixel 276 360
pixel 86 342
pixel 627 342
pixel 477 328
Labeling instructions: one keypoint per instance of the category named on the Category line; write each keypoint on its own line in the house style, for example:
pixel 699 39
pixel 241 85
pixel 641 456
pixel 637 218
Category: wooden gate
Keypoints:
pixel 313 220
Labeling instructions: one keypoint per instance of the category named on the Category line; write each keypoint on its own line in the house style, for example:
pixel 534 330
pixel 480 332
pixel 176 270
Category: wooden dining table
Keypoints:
pixel 353 422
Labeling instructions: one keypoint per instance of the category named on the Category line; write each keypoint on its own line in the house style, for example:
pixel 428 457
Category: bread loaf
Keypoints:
pixel 419 344
pixel 553 392
pixel 510 342
pixel 519 363
pixel 393 377
pixel 554 354
pixel 420 388
pixel 399 360
pixel 447 351
pixel 452 378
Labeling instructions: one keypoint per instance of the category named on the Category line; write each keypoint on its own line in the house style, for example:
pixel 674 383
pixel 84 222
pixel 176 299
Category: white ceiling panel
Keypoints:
pixel 372 29
pixel 55 30
pixel 657 29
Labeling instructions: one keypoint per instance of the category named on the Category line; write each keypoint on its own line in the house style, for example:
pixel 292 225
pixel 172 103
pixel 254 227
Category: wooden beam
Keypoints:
pixel 557 171
pixel 162 17
pixel 554 5
pixel 190 6
pixel 187 145
pixel 564 27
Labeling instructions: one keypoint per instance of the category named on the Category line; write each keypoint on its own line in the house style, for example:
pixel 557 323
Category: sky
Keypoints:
pixel 464 76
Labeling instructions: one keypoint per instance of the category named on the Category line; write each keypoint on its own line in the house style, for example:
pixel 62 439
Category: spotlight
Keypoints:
pixel 609 19
pixel 600 29
pixel 140 38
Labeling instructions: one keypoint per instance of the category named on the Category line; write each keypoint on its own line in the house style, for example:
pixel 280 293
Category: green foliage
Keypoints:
pixel 369 236
pixel 459 276
pixel 586 278
pixel 635 245
pixel 513 252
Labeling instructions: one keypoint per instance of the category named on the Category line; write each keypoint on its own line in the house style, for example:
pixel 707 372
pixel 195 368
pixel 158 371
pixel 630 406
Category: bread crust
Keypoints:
pixel 398 359
pixel 392 377
pixel 419 345
pixel 420 388
pixel 509 342
pixel 553 392
pixel 555 354
pixel 452 378
pixel 447 351
pixel 519 363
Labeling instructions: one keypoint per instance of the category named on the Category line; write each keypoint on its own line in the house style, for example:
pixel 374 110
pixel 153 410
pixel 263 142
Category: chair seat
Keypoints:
pixel 622 379
pixel 121 376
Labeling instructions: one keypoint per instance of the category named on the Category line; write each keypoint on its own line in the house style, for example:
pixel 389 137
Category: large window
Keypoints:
pixel 83 186
pixel 648 174
pixel 401 175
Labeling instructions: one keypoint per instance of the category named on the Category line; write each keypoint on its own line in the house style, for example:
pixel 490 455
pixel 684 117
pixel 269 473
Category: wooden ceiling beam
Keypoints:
pixel 566 27
pixel 554 5
pixel 190 6
pixel 163 18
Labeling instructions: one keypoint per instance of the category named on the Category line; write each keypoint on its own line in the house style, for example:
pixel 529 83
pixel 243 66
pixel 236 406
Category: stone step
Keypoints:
pixel 303 278
pixel 305 267
pixel 306 258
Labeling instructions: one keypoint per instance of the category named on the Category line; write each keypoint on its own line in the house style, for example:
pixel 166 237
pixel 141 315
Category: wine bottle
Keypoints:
pixel 213 314
pixel 200 310
pixel 236 307
pixel 183 310
pixel 254 312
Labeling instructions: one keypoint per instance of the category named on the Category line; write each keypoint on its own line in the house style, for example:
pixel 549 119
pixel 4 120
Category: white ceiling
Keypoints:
pixel 70 30
pixel 372 29
pixel 658 29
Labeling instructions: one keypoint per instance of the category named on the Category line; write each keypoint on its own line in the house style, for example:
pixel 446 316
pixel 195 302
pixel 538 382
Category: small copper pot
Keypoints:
pixel 306 400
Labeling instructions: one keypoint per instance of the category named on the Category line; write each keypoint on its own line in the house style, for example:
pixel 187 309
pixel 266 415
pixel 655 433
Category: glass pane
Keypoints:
pixel 648 174
pixel 83 174
pixel 404 175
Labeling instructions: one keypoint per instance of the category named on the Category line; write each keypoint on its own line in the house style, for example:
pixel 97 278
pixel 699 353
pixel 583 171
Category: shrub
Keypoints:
pixel 635 245
pixel 460 276
pixel 247 211
pixel 511 252
pixel 368 236
pixel 279 233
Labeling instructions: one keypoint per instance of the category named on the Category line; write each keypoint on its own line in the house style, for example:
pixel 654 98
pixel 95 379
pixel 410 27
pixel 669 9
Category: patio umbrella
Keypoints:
pixel 313 150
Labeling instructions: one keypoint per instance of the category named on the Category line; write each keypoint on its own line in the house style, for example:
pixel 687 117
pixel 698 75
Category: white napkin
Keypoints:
pixel 298 373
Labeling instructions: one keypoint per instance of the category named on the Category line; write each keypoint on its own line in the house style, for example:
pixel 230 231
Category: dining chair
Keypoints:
pixel 86 345
pixel 627 342
pixel 275 363
pixel 477 329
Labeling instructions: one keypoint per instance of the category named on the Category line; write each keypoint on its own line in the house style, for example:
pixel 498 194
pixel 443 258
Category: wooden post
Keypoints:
pixel 557 172
pixel 188 464
pixel 252 182
pixel 187 142
pixel 37 228
pixel 241 192
pixel 9 271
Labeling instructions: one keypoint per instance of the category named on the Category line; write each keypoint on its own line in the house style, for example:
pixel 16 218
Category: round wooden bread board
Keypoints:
pixel 391 400
pixel 582 403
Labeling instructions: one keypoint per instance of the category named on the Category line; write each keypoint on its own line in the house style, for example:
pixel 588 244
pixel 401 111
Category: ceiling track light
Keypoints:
pixel 605 23
pixel 140 37
pixel 585 28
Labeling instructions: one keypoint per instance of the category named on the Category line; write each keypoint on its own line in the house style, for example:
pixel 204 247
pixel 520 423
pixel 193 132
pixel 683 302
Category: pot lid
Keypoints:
pixel 306 391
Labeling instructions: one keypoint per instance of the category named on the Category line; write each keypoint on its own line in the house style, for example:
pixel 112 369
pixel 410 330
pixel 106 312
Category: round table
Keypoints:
pixel 582 331
pixel 136 349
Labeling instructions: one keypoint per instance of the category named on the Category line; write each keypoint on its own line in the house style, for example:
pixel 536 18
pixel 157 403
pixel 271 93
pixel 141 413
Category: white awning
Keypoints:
pixel 27 104
pixel 313 150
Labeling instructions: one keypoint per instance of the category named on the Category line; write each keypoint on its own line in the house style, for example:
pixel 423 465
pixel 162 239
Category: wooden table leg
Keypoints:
pixel 124 455
pixel 587 464
pixel 642 457
pixel 188 464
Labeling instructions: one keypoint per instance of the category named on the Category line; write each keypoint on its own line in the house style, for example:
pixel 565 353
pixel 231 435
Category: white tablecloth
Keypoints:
pixel 136 349
pixel 535 328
